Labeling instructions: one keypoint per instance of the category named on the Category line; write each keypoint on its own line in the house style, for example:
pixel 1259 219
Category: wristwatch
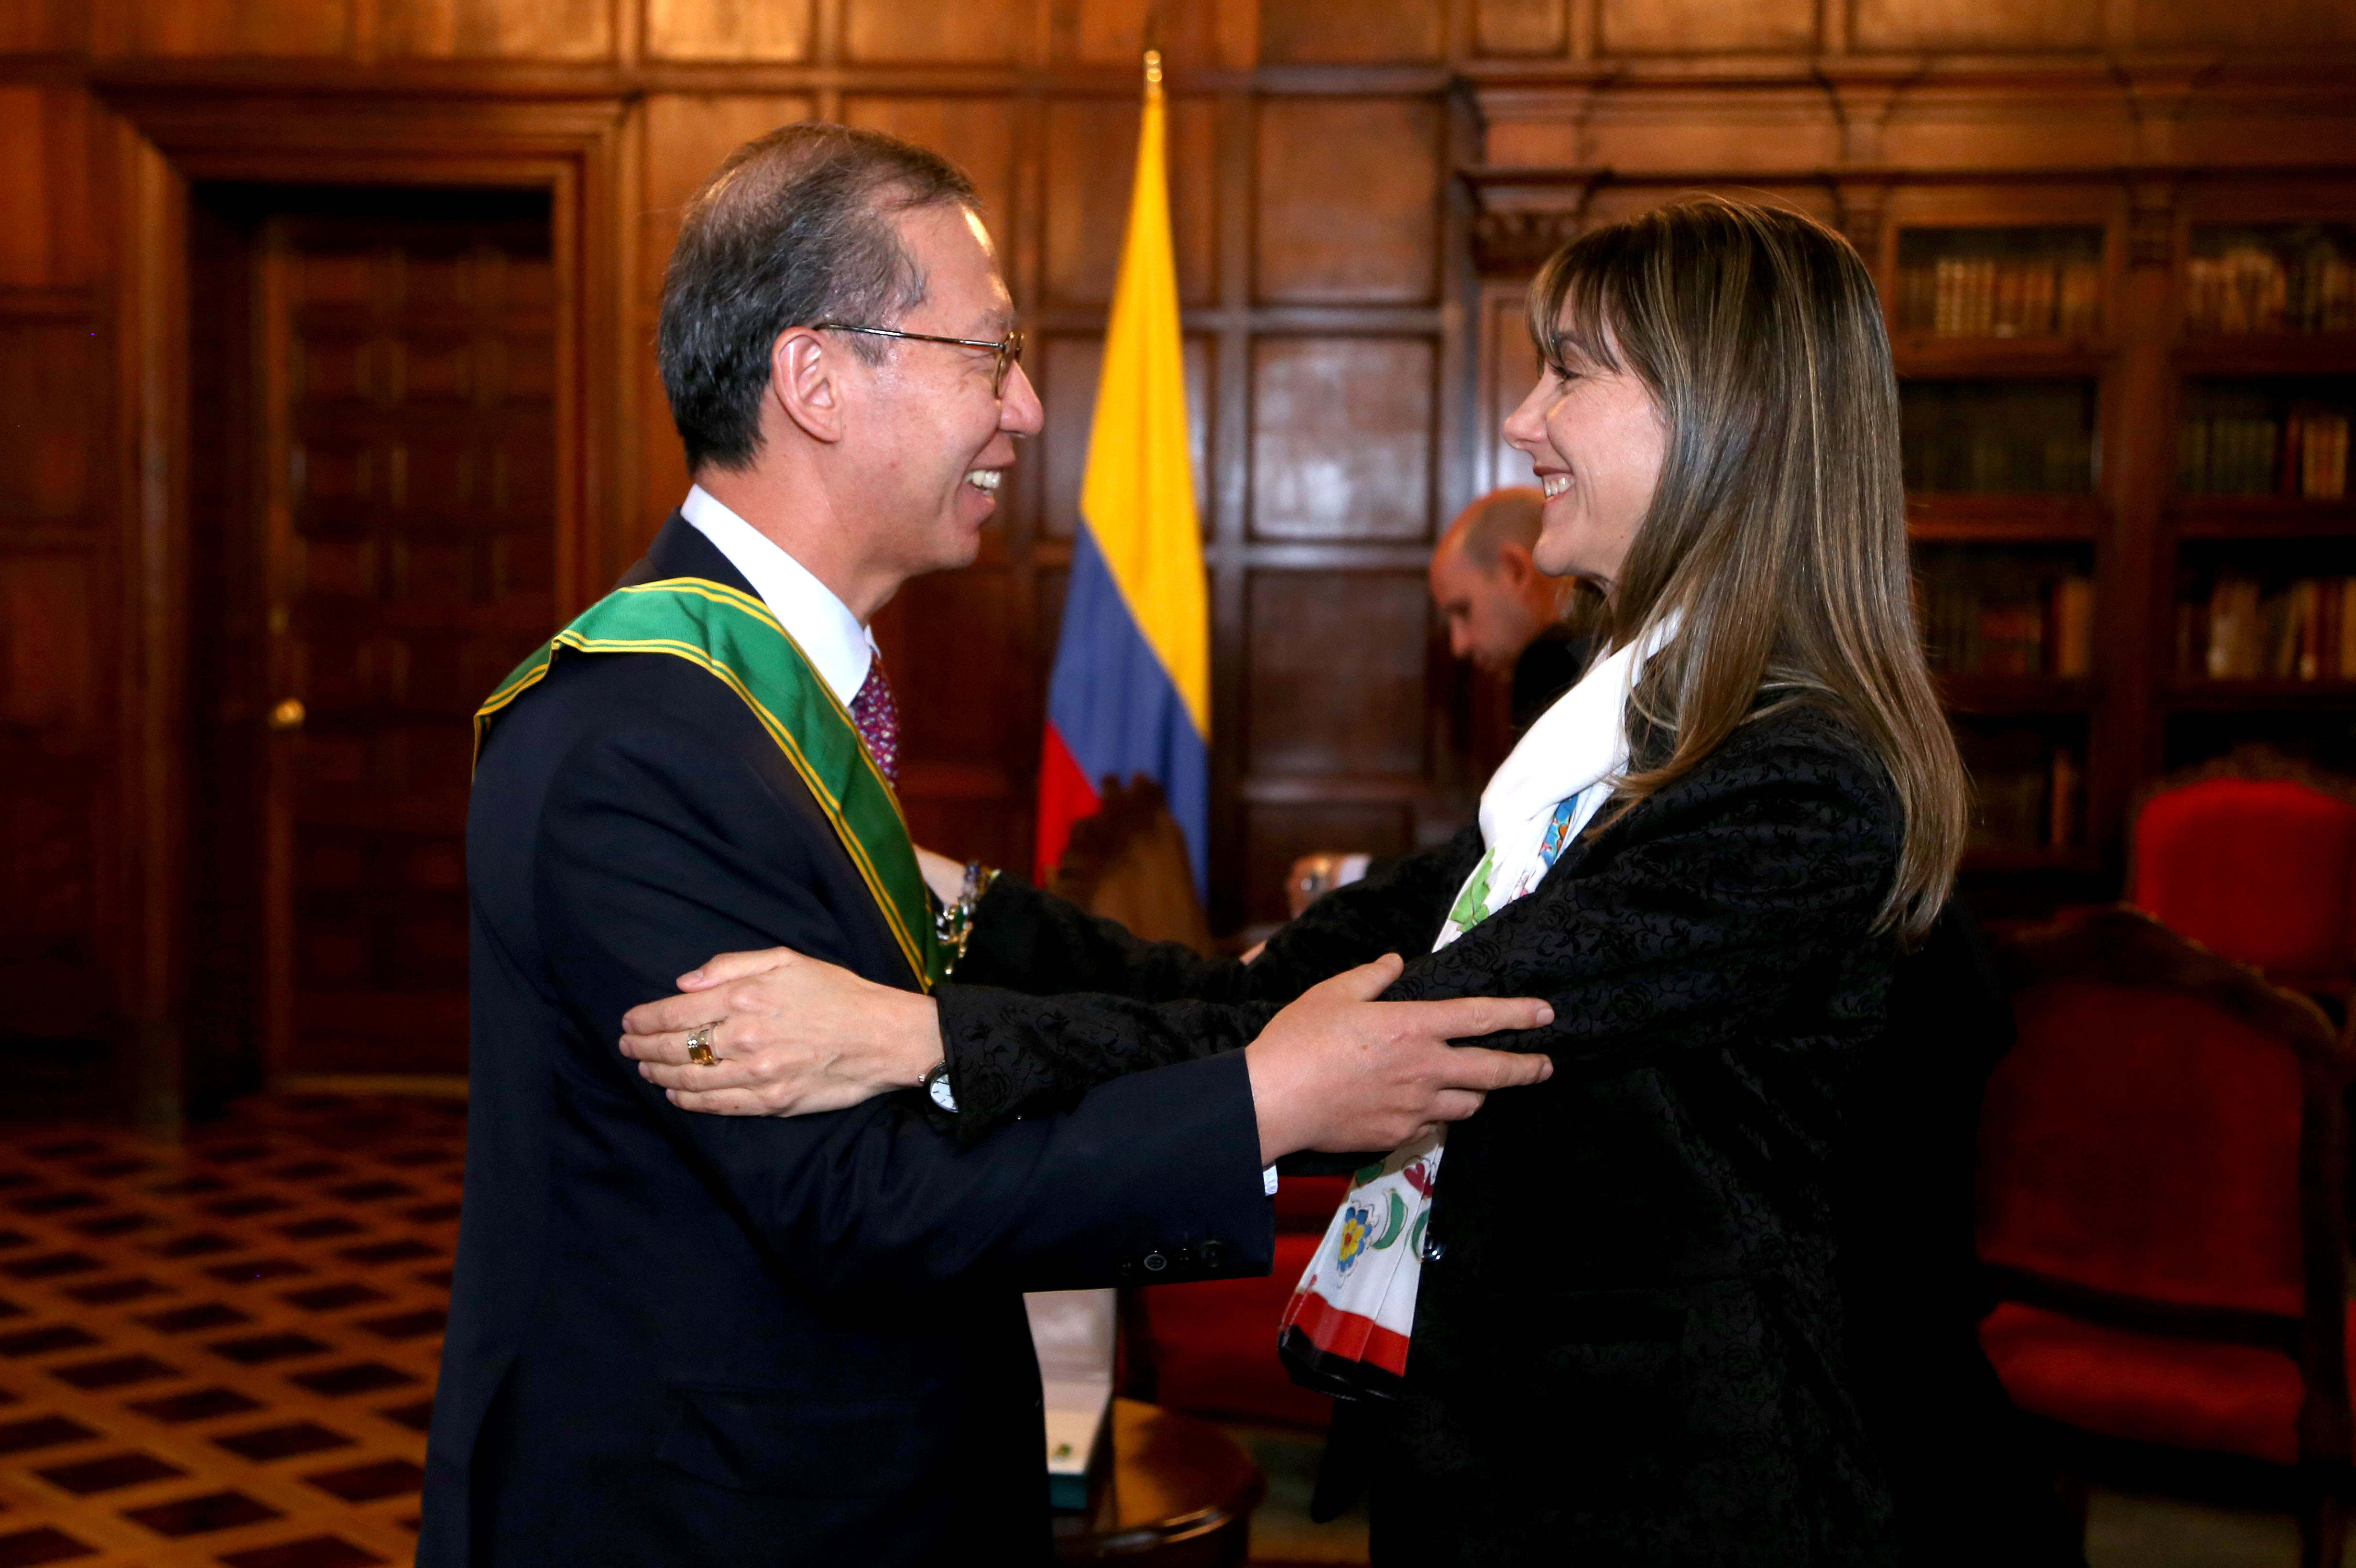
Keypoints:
pixel 935 1084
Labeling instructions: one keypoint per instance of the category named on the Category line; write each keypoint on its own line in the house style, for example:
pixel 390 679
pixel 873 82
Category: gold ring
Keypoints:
pixel 699 1045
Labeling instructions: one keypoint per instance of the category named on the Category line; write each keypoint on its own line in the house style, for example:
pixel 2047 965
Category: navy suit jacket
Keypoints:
pixel 679 1339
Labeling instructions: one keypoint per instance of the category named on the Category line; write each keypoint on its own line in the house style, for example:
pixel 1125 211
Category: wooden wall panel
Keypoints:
pixel 1521 28
pixel 1337 664
pixel 238 27
pixel 1687 131
pixel 2166 23
pixel 766 30
pixel 2009 25
pixel 1065 371
pixel 47 415
pixel 1937 131
pixel 509 29
pixel 1348 200
pixel 1707 27
pixel 1112 32
pixel 1087 195
pixel 977 133
pixel 1370 32
pixel 969 32
pixel 1341 438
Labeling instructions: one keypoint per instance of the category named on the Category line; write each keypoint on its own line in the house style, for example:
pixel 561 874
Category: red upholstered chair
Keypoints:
pixel 1211 1347
pixel 2160 1204
pixel 2253 857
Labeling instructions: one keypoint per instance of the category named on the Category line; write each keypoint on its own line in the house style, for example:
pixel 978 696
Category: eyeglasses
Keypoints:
pixel 1009 349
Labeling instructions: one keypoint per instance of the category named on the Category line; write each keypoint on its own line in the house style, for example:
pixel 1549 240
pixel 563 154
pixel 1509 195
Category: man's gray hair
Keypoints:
pixel 793 229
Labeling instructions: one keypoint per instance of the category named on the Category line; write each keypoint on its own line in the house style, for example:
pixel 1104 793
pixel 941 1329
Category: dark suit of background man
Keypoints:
pixel 1502 611
pixel 680 1338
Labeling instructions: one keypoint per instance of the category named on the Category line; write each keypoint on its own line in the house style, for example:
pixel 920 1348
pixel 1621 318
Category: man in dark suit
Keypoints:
pixel 698 1339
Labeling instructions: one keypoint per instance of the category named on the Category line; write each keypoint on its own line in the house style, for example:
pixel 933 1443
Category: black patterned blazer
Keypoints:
pixel 1629 1347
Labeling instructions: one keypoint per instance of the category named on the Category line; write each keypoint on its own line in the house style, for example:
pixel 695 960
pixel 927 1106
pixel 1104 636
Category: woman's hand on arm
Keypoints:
pixel 792 1034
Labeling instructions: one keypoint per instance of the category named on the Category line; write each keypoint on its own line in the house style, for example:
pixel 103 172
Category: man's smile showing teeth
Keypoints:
pixel 1555 483
pixel 985 479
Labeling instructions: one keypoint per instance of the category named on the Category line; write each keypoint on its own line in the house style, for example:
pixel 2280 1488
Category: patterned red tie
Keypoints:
pixel 879 721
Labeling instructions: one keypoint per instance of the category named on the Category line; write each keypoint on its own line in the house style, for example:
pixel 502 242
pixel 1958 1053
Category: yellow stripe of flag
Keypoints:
pixel 1138 493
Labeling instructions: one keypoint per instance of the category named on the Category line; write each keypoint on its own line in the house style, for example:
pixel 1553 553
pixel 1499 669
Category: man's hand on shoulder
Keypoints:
pixel 1338 1070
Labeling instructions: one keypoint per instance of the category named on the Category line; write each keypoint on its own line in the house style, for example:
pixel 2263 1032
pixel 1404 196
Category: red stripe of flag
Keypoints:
pixel 1065 798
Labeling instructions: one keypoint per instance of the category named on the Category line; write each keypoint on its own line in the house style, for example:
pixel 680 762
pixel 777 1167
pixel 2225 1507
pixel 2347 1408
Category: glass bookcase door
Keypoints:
pixel 2254 279
pixel 1998 437
pixel 2285 435
pixel 2007 283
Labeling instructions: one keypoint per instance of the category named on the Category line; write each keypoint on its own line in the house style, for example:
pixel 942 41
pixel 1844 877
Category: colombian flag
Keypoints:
pixel 1131 689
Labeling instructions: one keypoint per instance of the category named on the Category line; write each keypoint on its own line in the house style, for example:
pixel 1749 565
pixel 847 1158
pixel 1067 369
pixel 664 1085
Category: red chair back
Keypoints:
pixel 2145 1143
pixel 2259 870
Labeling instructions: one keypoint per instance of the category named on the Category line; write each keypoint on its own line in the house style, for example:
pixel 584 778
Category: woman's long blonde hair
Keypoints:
pixel 1777 532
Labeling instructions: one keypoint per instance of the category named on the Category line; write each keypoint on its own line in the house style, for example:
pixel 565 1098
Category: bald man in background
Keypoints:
pixel 1503 613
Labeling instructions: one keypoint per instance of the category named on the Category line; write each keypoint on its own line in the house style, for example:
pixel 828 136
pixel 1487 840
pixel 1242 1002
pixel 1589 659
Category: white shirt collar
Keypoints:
pixel 839 647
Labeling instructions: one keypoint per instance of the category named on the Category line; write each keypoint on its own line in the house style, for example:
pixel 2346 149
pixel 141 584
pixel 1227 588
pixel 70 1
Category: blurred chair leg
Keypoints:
pixel 2070 1486
pixel 2323 1523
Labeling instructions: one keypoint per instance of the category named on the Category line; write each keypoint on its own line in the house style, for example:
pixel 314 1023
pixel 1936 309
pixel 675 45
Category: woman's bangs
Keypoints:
pixel 1574 285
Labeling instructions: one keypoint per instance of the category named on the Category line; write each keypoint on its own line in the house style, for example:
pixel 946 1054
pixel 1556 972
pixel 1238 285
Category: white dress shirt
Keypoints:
pixel 838 646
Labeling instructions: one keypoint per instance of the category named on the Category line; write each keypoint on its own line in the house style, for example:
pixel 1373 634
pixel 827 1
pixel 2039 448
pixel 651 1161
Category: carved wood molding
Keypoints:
pixel 1506 242
pixel 2151 222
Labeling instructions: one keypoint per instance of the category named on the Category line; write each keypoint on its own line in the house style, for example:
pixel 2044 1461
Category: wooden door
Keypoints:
pixel 407 371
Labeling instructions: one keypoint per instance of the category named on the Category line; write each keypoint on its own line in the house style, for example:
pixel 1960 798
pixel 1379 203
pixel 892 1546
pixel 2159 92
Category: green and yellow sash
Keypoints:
pixel 734 636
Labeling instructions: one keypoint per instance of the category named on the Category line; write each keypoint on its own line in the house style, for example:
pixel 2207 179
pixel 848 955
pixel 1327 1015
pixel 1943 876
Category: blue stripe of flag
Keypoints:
pixel 1116 707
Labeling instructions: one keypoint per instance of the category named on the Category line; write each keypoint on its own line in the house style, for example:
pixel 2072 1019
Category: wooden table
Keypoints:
pixel 1179 1495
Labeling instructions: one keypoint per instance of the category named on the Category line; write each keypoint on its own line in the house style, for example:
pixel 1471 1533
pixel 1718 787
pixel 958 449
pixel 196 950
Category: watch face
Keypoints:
pixel 937 1084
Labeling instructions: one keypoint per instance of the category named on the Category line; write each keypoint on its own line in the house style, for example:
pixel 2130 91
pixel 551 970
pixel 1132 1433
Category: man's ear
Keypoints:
pixel 806 383
pixel 1515 566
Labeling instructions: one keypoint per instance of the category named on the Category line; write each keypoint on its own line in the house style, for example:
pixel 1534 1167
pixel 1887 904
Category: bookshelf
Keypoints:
pixel 2126 416
pixel 2257 538
pixel 2001 329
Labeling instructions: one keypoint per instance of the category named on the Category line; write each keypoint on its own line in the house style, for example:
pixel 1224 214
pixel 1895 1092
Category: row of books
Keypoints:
pixel 1960 296
pixel 2027 803
pixel 1973 625
pixel 2253 289
pixel 2299 454
pixel 2251 630
pixel 1995 461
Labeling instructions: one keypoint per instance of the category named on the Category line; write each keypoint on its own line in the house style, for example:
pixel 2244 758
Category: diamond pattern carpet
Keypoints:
pixel 223 1351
